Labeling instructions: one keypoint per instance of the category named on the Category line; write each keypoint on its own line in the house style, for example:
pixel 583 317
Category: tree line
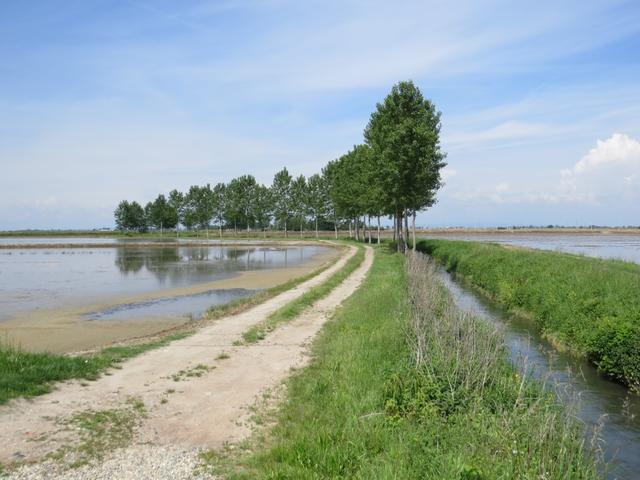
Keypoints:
pixel 394 173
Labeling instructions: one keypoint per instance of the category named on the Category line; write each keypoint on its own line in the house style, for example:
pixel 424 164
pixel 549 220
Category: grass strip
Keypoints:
pixel 28 374
pixel 589 305
pixel 242 304
pixel 365 409
pixel 295 307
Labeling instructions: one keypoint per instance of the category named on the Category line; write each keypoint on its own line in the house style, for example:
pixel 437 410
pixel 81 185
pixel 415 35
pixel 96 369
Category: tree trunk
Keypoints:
pixel 350 235
pixel 413 226
pixel 357 229
pixel 401 244
pixel 285 227
pixel 301 224
pixel 335 226
pixel 406 228
pixel 220 229
pixel 235 227
pixel 378 229
pixel 395 228
pixel 316 227
pixel 369 220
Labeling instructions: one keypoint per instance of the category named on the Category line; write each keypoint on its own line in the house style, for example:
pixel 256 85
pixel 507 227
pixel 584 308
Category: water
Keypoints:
pixel 606 245
pixel 44 278
pixel 598 398
pixel 191 306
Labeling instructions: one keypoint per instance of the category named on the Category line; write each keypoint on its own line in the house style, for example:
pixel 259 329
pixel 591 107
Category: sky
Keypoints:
pixel 105 100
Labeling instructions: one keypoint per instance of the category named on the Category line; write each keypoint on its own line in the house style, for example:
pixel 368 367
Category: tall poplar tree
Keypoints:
pixel 404 134
pixel 281 191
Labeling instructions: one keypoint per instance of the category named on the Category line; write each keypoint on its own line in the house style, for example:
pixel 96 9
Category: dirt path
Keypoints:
pixel 185 411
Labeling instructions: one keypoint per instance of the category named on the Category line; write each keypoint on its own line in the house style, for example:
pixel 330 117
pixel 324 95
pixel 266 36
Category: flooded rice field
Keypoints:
pixel 66 292
pixel 623 246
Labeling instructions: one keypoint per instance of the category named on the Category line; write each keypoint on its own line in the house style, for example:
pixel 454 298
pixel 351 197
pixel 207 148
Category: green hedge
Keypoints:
pixel 588 304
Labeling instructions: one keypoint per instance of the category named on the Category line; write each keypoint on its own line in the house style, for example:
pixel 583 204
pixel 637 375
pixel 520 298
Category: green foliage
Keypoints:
pixel 282 197
pixel 29 374
pixel 590 305
pixel 404 135
pixel 161 213
pixel 130 217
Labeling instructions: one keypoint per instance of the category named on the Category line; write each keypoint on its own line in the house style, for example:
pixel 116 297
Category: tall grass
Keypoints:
pixel 397 391
pixel 587 304
pixel 462 377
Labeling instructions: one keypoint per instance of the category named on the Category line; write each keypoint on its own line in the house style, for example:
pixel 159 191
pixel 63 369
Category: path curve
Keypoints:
pixel 204 412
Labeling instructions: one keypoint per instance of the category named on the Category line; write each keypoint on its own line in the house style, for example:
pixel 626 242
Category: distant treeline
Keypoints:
pixel 394 173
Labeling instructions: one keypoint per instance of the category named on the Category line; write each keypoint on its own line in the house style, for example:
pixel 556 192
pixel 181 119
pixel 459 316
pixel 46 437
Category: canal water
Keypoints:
pixel 599 402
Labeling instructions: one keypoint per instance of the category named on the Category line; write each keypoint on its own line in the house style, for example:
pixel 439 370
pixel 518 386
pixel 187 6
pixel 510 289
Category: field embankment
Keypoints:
pixel 589 305
pixel 396 391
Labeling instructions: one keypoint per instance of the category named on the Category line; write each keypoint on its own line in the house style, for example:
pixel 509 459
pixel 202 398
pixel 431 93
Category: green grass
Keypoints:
pixel 364 409
pixel 590 305
pixel 295 307
pixel 28 374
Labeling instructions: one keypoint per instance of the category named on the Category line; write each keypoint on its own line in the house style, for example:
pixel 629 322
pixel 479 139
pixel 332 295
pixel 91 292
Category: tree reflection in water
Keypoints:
pixel 182 265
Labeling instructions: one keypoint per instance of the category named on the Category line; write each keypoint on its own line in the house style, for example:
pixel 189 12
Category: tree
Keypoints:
pixel 299 199
pixel 317 198
pixel 130 217
pixel 218 200
pixel 161 214
pixel 176 203
pixel 198 208
pixel 262 207
pixel 281 191
pixel 241 194
pixel 404 133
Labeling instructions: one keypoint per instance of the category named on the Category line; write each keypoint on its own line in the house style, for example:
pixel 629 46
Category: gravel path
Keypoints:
pixel 133 463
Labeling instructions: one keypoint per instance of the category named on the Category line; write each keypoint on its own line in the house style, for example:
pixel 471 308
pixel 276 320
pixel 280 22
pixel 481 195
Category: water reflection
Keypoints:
pixel 41 278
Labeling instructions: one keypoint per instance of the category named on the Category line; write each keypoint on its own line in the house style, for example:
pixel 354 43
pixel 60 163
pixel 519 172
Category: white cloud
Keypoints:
pixel 619 151
pixel 608 174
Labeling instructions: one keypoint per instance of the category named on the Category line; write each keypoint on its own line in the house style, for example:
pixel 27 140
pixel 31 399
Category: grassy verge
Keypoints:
pixel 294 308
pixel 368 406
pixel 27 374
pixel 587 304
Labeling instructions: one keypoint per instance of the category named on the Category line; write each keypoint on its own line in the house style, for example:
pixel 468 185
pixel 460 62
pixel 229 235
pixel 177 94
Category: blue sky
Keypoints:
pixel 104 100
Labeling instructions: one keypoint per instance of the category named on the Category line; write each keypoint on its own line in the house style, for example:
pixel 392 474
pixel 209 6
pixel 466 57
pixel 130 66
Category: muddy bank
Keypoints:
pixel 63 330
